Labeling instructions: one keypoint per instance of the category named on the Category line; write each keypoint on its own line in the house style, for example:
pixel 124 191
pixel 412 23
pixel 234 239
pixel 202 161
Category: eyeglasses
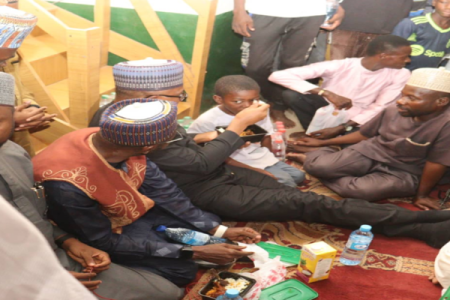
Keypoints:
pixel 178 137
pixel 182 97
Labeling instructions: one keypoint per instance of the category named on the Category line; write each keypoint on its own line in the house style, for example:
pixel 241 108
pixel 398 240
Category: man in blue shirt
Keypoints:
pixel 429 36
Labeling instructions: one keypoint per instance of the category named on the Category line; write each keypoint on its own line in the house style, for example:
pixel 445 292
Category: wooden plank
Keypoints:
pixel 197 5
pixel 203 35
pixel 57 129
pixel 102 17
pixel 34 83
pixel 83 56
pixel 130 49
pixel 47 21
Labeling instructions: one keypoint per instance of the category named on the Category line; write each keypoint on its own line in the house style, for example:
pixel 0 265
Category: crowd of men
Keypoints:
pixel 110 186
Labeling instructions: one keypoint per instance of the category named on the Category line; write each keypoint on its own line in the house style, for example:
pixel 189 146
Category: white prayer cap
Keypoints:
pixel 431 79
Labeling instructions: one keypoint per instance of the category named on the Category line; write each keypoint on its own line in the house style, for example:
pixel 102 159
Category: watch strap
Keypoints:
pixel 220 231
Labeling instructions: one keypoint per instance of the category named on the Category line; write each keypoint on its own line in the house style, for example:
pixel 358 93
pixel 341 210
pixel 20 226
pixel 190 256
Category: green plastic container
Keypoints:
pixel 446 296
pixel 288 255
pixel 290 289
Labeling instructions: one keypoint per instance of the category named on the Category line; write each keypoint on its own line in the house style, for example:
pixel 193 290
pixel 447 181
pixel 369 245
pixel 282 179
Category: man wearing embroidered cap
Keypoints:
pixel 401 152
pixel 103 189
pixel 89 266
pixel 15 26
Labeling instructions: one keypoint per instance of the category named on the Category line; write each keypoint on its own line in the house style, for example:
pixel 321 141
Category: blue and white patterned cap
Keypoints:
pixel 139 122
pixel 15 26
pixel 148 75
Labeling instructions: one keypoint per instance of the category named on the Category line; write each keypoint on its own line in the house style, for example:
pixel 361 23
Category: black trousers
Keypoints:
pixel 246 195
pixel 303 105
pixel 277 44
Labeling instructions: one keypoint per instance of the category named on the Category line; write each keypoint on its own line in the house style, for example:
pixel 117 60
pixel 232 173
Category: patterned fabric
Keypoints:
pixel 15 26
pixel 74 159
pixel 139 122
pixel 148 75
pixel 7 96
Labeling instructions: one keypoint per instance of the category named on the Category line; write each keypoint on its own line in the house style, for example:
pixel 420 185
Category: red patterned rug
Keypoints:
pixel 393 268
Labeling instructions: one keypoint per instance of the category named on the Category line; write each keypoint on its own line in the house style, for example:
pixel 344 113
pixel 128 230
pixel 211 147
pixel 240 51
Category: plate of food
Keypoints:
pixel 252 134
pixel 217 287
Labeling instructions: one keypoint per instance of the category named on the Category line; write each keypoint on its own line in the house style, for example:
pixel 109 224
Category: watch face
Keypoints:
pixel 349 128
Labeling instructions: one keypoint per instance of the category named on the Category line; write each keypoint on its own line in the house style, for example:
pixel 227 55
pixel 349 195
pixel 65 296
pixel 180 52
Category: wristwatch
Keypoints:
pixel 187 252
pixel 321 92
pixel 347 128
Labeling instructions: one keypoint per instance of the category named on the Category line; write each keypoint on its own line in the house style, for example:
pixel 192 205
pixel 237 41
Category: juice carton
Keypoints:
pixel 316 261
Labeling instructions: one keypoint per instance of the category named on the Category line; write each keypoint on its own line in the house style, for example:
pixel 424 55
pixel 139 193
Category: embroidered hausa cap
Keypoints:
pixel 7 96
pixel 148 74
pixel 431 79
pixel 15 26
pixel 139 122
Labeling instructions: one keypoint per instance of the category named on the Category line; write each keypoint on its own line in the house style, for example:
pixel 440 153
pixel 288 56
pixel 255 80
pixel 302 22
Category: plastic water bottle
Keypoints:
pixel 282 131
pixel 230 294
pixel 105 99
pixel 278 146
pixel 357 245
pixel 331 7
pixel 187 122
pixel 189 237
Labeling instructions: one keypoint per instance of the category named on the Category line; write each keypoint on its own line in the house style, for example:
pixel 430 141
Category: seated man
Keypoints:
pixel 103 189
pixel 401 152
pixel 18 188
pixel 362 86
pixel 233 94
pixel 245 195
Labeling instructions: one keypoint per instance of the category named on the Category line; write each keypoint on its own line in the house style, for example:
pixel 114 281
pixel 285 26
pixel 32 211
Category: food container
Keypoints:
pixel 225 275
pixel 259 133
pixel 290 289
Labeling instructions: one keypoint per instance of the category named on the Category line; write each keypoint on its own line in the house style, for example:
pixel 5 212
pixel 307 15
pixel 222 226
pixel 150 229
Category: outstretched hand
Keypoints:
pixel 309 142
pixel 426 203
pixel 219 253
pixel 242 234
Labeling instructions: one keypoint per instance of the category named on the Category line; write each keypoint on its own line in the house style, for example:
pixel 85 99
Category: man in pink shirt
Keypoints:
pixel 361 86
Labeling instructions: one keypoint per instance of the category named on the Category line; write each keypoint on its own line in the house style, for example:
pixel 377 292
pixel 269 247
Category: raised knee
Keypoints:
pixel 316 167
pixel 290 96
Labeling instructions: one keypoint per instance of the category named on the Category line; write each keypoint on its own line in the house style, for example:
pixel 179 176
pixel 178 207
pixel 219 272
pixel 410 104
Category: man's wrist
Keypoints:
pixel 65 241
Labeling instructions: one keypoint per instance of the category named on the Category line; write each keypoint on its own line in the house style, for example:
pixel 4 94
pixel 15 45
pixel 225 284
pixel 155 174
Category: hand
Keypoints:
pixel 339 102
pixel 219 253
pixel 241 23
pixel 243 235
pixel 84 278
pixel 28 117
pixel 336 20
pixel 309 142
pixel 327 133
pixel 87 256
pixel 426 203
pixel 252 114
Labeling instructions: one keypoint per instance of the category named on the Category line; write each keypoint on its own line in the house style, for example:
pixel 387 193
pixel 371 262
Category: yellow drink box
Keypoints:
pixel 316 261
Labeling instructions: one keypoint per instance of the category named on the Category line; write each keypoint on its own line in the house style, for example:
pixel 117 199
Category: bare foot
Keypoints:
pixel 297 157
pixel 279 115
pixel 291 147
pixel 297 135
pixel 433 279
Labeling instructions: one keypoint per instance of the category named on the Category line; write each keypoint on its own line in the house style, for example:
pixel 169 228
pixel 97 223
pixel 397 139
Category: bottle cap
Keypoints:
pixel 105 97
pixel 232 293
pixel 279 123
pixel 180 121
pixel 187 118
pixel 113 93
pixel 281 130
pixel 365 228
pixel 161 228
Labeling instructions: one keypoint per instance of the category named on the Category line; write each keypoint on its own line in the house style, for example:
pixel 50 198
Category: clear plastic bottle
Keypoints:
pixel 282 130
pixel 331 8
pixel 357 245
pixel 278 146
pixel 113 96
pixel 230 294
pixel 189 237
pixel 105 99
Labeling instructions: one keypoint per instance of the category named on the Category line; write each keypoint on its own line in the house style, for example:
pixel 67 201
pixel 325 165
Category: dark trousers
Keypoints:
pixel 291 38
pixel 346 43
pixel 303 105
pixel 177 270
pixel 246 195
